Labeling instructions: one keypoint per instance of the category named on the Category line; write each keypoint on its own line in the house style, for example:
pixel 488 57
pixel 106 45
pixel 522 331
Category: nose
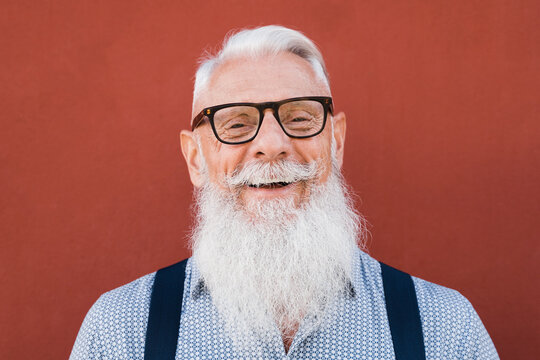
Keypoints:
pixel 271 143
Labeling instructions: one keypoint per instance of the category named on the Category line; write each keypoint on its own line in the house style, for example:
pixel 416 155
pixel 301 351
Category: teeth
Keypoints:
pixel 272 184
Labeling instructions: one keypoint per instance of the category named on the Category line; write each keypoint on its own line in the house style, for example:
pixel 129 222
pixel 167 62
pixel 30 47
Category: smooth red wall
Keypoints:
pixel 443 147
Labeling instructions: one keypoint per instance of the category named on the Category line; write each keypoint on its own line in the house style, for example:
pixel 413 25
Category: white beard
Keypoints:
pixel 273 263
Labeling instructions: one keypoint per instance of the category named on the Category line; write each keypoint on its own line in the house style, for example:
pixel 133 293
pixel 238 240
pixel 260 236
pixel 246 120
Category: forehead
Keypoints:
pixel 265 78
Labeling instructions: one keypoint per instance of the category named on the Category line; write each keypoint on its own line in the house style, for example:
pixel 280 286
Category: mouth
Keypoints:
pixel 272 185
pixel 261 191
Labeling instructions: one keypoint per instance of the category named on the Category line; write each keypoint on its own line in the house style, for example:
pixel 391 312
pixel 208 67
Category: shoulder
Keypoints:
pixel 430 296
pixel 114 308
pixel 127 295
pixel 116 313
pixel 115 325
pixel 135 294
pixel 451 326
pixel 450 321
pixel 442 306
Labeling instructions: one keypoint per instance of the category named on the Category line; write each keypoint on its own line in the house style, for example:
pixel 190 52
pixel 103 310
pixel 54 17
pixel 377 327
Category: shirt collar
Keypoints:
pixel 355 282
pixel 350 290
pixel 197 285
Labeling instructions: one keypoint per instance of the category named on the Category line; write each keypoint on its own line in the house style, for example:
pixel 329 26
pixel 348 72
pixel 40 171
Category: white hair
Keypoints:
pixel 243 248
pixel 262 41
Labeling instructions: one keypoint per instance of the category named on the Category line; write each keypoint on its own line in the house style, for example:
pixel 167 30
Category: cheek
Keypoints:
pixel 220 158
pixel 316 149
pixel 222 163
pixel 319 151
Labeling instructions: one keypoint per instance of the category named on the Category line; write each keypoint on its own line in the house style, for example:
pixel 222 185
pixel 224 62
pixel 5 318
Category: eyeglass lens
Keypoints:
pixel 238 123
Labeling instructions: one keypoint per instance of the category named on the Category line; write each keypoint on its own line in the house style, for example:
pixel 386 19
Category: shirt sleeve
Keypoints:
pixel 452 328
pixel 476 343
pixel 87 344
pixel 115 326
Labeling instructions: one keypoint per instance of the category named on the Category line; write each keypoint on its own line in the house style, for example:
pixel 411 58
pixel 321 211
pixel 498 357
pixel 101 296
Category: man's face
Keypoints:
pixel 261 80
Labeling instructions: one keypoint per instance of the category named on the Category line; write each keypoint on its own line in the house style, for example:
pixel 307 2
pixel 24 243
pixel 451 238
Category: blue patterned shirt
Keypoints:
pixel 115 326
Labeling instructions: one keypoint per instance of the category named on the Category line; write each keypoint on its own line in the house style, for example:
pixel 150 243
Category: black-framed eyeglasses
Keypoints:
pixel 239 123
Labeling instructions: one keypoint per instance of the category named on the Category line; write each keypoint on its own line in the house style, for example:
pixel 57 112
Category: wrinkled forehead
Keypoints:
pixel 260 79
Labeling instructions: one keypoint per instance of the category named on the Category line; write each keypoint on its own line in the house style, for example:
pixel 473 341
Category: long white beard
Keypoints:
pixel 273 263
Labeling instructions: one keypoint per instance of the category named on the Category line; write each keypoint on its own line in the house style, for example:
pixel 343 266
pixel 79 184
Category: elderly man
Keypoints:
pixel 278 269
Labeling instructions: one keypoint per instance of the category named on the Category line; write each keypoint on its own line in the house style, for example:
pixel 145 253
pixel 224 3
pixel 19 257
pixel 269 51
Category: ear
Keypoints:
pixel 194 159
pixel 340 128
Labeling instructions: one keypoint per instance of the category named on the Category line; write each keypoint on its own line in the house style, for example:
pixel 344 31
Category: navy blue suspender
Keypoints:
pixel 165 310
pixel 168 293
pixel 403 314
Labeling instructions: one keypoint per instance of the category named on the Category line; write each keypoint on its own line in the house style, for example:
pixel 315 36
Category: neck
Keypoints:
pixel 288 337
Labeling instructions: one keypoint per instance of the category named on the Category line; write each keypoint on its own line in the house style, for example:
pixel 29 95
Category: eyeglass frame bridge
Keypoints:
pixel 208 113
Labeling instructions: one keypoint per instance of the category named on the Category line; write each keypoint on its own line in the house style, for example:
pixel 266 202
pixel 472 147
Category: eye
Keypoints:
pixel 299 119
pixel 237 126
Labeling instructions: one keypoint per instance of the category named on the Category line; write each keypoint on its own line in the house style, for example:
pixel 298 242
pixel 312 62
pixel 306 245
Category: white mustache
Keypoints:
pixel 262 172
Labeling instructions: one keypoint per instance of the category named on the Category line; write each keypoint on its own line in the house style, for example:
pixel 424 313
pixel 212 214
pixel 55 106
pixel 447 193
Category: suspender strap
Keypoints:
pixel 168 293
pixel 165 310
pixel 403 314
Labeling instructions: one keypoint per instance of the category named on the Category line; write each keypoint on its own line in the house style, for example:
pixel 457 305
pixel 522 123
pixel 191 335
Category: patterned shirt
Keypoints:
pixel 115 326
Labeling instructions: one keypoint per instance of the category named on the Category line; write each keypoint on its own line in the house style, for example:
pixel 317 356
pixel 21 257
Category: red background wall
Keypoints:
pixel 443 147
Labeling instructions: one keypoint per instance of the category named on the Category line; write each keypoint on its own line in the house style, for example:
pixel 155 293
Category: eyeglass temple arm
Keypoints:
pixel 197 120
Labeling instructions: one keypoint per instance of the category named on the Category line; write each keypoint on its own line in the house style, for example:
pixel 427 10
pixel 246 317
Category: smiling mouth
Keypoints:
pixel 274 185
